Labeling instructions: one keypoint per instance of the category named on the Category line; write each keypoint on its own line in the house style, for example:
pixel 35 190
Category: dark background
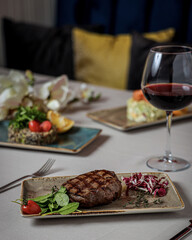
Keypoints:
pixel 125 16
pixel 48 48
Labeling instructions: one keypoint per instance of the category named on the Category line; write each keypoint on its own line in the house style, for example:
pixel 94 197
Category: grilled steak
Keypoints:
pixel 94 188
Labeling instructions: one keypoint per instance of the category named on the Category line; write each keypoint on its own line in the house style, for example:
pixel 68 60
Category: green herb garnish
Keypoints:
pixel 141 200
pixel 26 114
pixel 56 202
pixel 158 201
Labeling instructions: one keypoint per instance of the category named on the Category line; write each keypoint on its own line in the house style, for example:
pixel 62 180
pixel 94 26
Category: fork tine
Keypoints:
pixel 47 162
pixel 46 167
pixel 49 166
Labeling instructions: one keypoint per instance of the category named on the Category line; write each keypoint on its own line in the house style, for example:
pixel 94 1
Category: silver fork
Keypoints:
pixel 41 172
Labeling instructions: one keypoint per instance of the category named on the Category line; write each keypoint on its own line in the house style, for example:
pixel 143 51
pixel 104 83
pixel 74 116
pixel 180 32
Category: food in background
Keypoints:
pixel 56 93
pixel 62 123
pixel 14 87
pixel 140 110
pixel 88 94
pixel 30 126
pixel 180 112
pixel 19 89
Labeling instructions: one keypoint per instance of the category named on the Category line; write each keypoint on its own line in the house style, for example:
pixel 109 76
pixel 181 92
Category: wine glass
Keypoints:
pixel 167 85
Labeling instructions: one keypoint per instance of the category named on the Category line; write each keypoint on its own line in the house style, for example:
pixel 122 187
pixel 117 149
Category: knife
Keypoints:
pixel 183 232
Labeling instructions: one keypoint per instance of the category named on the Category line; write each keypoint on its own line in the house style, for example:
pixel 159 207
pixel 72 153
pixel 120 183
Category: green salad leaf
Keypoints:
pixel 61 199
pixel 69 208
pixel 26 114
pixel 56 202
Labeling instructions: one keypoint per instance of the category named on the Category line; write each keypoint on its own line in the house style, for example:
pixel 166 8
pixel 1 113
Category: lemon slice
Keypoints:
pixel 62 124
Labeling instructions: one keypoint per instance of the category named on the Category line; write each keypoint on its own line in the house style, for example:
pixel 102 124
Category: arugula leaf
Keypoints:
pixel 62 189
pixel 70 208
pixel 43 205
pixel 44 210
pixel 26 114
pixel 51 206
pixel 41 198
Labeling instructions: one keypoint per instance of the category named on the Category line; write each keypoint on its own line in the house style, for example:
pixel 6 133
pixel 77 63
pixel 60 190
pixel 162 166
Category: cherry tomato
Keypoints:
pixel 31 207
pixel 34 126
pixel 45 126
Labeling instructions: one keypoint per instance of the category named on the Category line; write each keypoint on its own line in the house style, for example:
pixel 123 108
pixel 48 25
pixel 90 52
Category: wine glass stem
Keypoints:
pixel 168 155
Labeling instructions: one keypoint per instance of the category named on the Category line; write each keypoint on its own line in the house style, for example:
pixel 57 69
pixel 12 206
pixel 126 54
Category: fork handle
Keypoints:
pixel 17 180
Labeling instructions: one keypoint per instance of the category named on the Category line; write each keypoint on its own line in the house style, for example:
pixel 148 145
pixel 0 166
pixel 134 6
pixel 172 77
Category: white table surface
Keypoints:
pixel 112 150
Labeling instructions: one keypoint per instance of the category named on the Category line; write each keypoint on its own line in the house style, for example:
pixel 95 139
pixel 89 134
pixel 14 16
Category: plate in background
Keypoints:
pixel 72 141
pixel 116 118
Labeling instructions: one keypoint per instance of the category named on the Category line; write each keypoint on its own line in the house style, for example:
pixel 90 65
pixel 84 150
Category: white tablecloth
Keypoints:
pixel 112 150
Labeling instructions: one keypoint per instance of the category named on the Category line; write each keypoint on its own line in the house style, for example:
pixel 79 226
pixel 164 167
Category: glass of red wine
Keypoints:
pixel 167 85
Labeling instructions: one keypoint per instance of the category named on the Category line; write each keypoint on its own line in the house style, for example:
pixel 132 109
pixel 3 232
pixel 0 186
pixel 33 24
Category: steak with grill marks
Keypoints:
pixel 94 188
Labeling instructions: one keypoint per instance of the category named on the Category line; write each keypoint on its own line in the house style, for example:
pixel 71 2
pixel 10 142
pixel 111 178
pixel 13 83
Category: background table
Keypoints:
pixel 112 150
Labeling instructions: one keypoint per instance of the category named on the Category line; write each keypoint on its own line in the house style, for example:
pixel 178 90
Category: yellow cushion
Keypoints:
pixel 161 36
pixel 103 59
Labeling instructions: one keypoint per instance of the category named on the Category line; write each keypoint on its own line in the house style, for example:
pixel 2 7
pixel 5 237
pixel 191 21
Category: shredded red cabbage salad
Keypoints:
pixel 147 183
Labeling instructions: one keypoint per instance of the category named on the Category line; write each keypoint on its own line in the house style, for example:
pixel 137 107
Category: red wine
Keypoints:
pixel 168 96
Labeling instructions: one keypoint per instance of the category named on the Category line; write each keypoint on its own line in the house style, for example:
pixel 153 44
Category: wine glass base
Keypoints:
pixel 160 164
